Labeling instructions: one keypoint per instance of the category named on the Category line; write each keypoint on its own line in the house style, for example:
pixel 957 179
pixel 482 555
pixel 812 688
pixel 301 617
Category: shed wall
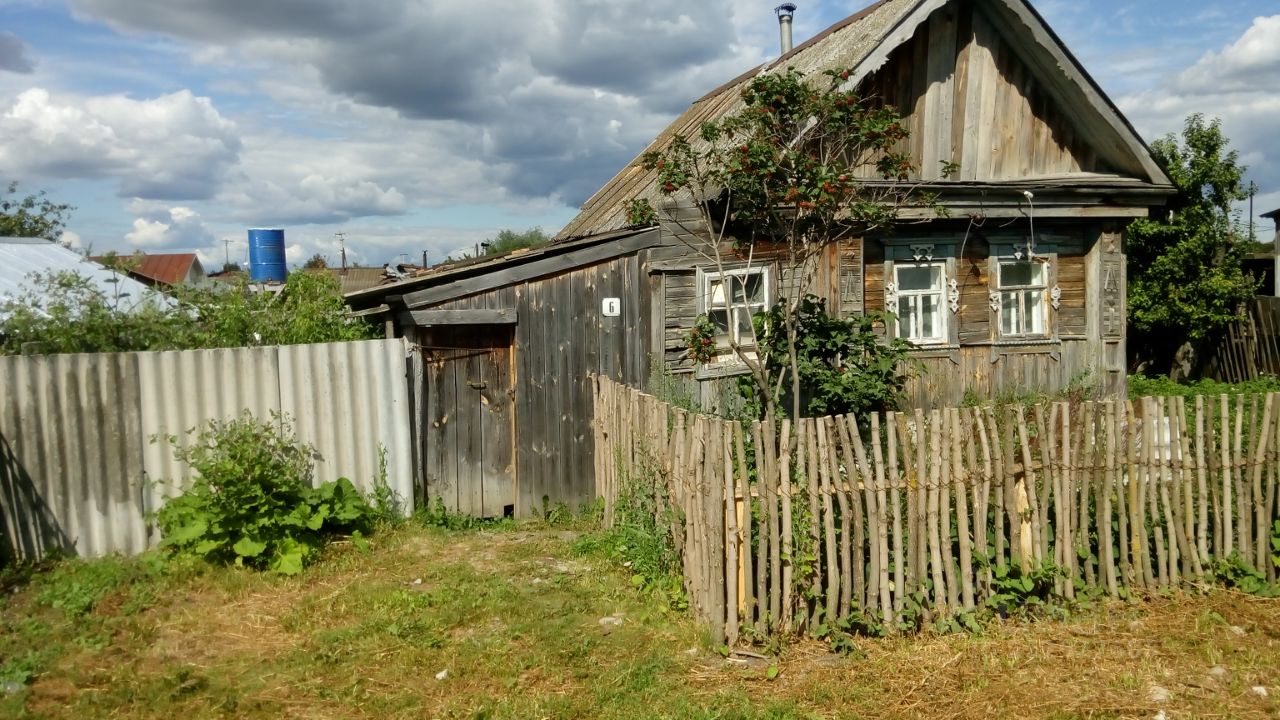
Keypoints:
pixel 561 338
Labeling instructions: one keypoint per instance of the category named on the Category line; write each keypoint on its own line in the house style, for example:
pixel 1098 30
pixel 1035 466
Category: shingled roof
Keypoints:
pixel 860 43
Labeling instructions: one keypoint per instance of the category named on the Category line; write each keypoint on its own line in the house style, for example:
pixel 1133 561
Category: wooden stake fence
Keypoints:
pixel 857 518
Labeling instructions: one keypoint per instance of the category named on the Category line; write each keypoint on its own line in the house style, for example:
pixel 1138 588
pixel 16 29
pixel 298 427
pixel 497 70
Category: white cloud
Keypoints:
pixel 173 147
pixel 1251 61
pixel 175 228
pixel 1238 84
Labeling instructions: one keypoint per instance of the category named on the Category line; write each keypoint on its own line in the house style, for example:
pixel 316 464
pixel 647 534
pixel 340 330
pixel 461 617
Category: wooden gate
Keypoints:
pixel 469 419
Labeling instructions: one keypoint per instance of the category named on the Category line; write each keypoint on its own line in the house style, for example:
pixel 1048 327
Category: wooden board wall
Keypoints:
pixel 1004 373
pixel 968 98
pixel 560 340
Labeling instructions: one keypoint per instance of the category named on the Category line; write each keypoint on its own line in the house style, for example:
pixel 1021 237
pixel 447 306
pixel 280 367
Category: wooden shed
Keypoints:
pixel 1022 289
pixel 505 350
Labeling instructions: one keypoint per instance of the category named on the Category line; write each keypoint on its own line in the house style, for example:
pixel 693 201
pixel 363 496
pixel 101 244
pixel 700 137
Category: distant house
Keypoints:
pixel 158 270
pixel 21 258
pixel 1021 289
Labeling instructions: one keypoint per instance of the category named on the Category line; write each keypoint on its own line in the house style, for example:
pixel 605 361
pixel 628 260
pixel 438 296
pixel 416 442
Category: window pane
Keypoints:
pixel 929 317
pixel 1021 273
pixel 906 317
pixel 927 277
pixel 716 297
pixel 1034 323
pixel 755 287
pixel 1009 312
pixel 720 318
pixel 744 325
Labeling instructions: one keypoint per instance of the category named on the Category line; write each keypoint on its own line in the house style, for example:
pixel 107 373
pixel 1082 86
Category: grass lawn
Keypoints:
pixel 531 622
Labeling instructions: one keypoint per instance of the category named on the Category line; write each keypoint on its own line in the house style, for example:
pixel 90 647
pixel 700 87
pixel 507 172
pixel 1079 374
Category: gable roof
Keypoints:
pixel 20 257
pixel 162 268
pixel 862 43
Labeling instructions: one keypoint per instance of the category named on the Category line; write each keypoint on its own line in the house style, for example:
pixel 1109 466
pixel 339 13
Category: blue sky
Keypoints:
pixel 414 125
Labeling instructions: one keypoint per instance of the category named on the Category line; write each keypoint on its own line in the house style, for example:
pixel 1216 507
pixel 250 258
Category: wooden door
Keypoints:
pixel 469 419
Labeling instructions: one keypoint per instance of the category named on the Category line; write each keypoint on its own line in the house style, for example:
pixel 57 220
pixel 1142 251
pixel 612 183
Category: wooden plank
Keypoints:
pixel 788 543
pixel 498 431
pixel 743 515
pixel 882 524
pixel 830 553
pixel 962 478
pixel 530 402
pixel 442 464
pixel 940 98
pixel 854 469
pixel 428 318
pixel 895 503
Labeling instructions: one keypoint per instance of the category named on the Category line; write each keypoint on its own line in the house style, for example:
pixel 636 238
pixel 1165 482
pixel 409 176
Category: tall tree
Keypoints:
pixel 33 215
pixel 1186 276
pixel 786 172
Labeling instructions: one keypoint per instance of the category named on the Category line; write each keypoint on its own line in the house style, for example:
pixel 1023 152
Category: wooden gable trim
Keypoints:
pixel 541 267
pixel 1066 81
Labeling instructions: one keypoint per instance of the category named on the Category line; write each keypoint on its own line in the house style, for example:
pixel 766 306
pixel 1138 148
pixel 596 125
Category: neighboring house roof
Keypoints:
pixel 21 257
pixel 1274 214
pixel 355 279
pixel 862 44
pixel 161 268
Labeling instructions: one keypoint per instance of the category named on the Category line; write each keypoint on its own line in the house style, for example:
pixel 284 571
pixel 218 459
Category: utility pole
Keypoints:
pixel 342 244
pixel 226 248
pixel 1253 190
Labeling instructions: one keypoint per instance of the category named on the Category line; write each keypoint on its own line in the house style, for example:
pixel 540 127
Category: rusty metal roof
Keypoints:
pixel 153 268
pixel 842 45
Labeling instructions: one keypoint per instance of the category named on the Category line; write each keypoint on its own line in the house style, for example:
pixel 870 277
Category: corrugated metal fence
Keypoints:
pixel 79 470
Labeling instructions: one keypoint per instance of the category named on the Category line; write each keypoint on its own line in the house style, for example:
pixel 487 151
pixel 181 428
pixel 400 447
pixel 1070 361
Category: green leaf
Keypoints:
pixel 248 547
pixel 184 534
pixel 358 539
pixel 316 521
pixel 289 563
pixel 1028 584
pixel 772 672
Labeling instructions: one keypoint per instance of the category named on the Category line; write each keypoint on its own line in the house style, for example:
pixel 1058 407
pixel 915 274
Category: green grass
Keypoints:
pixel 512 613
pixel 1143 386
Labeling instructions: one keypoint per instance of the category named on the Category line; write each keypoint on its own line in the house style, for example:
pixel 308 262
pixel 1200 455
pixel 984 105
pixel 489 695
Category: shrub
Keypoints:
pixel 252 503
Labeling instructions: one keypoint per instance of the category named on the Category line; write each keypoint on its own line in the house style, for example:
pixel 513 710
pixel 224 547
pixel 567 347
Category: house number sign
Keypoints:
pixel 611 307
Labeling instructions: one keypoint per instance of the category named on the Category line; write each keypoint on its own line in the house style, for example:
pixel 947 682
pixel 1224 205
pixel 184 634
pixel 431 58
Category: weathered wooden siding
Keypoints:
pixel 1005 373
pixel 968 97
pixel 561 338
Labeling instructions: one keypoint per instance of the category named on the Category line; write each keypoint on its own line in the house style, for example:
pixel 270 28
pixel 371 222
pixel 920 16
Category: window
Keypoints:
pixel 920 290
pixel 1023 285
pixel 729 301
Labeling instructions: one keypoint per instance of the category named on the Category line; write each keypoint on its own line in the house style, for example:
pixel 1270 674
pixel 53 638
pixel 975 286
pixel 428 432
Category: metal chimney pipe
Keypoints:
pixel 785 12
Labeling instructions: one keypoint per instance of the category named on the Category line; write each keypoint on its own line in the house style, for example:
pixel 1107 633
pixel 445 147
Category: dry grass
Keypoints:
pixel 514 617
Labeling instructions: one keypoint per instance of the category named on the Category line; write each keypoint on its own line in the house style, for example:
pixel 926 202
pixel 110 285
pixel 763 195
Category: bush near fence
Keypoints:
pixel 917 515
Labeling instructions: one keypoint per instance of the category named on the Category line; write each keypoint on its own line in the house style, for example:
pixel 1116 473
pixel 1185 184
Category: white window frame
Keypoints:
pixel 944 293
pixel 725 355
pixel 1045 288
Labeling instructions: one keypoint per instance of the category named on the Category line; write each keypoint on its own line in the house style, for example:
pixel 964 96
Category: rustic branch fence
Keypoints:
pixel 866 518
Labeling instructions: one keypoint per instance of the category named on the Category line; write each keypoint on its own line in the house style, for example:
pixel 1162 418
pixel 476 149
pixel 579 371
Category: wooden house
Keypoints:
pixel 1022 289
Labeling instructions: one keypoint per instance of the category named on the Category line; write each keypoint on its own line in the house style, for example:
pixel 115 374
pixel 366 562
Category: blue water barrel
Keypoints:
pixel 266 256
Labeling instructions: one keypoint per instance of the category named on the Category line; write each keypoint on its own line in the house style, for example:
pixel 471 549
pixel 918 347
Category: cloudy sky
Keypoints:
pixel 414 125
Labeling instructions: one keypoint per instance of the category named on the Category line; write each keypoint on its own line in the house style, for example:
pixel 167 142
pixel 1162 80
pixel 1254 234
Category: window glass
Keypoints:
pixel 730 301
pixel 1023 286
pixel 920 288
